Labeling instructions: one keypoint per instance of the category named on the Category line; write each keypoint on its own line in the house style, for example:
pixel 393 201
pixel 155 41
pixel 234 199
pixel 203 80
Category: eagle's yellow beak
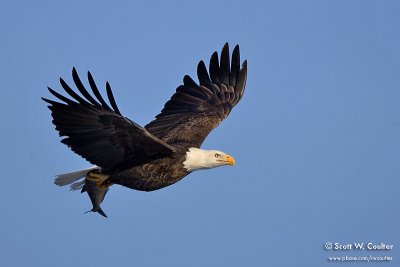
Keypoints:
pixel 230 160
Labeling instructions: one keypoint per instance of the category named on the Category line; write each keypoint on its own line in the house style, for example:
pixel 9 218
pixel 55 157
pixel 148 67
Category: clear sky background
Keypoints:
pixel 315 137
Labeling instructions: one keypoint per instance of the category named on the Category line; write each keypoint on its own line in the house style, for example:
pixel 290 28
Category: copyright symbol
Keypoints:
pixel 328 245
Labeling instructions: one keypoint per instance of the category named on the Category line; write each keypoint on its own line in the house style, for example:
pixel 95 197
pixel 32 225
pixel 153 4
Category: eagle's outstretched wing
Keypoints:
pixel 195 110
pixel 98 132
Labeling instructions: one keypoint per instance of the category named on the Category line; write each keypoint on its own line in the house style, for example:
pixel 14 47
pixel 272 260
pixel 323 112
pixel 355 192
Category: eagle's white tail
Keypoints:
pixel 71 177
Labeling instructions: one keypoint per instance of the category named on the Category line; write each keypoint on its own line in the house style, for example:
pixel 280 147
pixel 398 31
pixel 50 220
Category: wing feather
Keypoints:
pixel 202 73
pixel 96 92
pixel 214 69
pixel 61 97
pixel 112 99
pixel 235 66
pixel 71 92
pixel 224 70
pixel 82 88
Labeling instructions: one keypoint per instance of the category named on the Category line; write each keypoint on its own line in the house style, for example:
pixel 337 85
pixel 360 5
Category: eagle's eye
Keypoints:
pixel 216 155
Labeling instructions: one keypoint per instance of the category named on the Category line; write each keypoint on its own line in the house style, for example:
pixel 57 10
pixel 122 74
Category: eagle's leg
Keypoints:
pixel 97 177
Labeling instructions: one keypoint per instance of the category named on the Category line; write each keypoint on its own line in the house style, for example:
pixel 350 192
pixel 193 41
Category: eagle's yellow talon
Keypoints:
pixel 97 178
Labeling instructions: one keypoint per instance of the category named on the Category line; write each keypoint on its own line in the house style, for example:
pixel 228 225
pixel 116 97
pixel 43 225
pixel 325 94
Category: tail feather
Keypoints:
pixel 68 178
pixel 77 185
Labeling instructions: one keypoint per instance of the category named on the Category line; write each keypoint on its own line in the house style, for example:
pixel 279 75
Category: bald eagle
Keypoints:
pixel 162 152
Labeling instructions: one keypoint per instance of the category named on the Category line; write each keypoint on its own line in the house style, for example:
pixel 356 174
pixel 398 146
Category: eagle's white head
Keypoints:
pixel 199 159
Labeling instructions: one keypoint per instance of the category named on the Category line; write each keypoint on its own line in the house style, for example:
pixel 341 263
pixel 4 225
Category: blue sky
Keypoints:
pixel 315 137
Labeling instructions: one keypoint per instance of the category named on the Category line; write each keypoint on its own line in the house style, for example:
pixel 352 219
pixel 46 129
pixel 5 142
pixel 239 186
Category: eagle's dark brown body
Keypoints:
pixel 150 157
pixel 154 175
